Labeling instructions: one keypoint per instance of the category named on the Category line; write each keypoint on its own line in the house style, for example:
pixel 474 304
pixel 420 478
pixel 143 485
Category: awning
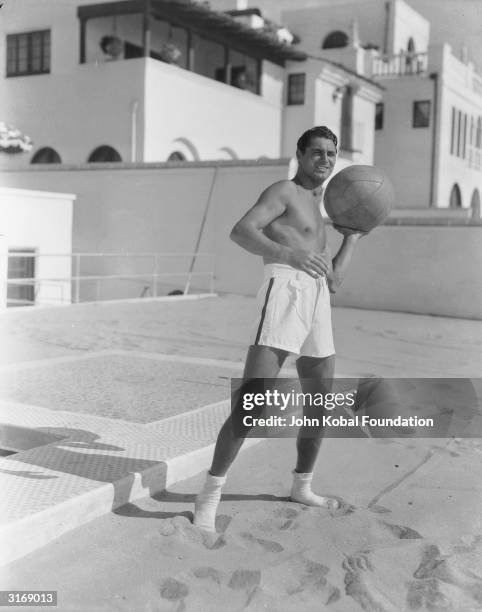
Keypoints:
pixel 199 18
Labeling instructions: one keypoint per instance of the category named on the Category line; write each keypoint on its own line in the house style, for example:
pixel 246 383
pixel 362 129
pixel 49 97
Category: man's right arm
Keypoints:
pixel 248 232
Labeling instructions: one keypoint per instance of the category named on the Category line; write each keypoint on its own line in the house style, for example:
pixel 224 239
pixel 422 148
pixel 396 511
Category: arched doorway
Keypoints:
pixel 105 153
pixel 455 197
pixel 475 204
pixel 46 155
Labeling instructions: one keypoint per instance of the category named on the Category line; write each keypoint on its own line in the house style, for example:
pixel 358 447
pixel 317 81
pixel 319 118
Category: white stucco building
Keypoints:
pixel 153 80
pixel 429 123
pixel 37 236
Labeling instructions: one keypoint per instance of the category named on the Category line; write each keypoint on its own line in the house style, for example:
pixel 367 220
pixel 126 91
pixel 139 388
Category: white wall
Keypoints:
pixel 407 23
pixel 76 112
pixel 3 271
pixel 273 83
pixel 422 269
pixel 210 115
pixel 77 108
pixel 323 107
pixel 456 90
pixel 42 221
pixel 313 24
pixel 402 151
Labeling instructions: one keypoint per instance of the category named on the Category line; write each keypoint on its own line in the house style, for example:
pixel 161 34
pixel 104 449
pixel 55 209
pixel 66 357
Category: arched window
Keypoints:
pixel 478 134
pixel 335 40
pixel 104 154
pixel 227 153
pixel 46 155
pixel 184 147
pixel 411 45
pixel 176 156
pixel 455 197
pixel 475 204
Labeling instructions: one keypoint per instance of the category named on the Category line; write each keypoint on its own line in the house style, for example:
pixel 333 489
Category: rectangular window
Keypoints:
pixel 296 88
pixel 421 114
pixel 379 108
pixel 28 53
pixel 459 133
pixel 21 266
pixel 453 132
pixel 464 135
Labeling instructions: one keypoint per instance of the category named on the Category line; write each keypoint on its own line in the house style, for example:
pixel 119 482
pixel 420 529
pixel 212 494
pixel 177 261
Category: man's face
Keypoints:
pixel 318 159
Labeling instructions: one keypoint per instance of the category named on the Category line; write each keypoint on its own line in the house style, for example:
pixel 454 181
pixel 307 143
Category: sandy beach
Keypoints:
pixel 408 536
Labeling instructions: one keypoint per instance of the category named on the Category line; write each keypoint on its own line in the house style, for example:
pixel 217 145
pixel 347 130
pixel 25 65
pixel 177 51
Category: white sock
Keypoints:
pixel 301 492
pixel 207 502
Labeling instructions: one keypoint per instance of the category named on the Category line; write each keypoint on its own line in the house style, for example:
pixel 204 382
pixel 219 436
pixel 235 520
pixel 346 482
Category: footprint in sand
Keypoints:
pixel 435 569
pixel 361 585
pixel 246 580
pixel 267 545
pixel 300 580
pixel 207 581
pixel 208 573
pixel 173 589
pixel 181 529
pixel 401 532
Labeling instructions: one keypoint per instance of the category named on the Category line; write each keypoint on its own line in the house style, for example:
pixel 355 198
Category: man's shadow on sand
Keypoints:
pixel 133 511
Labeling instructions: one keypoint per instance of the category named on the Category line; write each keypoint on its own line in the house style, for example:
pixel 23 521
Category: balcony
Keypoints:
pixel 190 35
pixel 403 64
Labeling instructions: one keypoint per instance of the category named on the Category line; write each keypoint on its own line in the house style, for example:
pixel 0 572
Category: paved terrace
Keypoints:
pixel 122 400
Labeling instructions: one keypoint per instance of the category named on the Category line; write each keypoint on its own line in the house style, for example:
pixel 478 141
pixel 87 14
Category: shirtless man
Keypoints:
pixel 286 228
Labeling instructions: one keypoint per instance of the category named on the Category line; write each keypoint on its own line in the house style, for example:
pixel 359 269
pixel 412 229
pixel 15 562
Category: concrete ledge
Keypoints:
pixel 42 503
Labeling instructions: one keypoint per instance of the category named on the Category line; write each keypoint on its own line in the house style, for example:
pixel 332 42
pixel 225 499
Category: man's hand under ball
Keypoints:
pixel 349 231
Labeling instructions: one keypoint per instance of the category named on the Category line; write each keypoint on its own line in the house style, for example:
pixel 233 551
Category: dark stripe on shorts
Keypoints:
pixel 263 312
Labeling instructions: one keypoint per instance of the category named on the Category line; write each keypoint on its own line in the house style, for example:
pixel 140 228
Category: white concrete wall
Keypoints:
pixel 78 111
pixel 418 269
pixel 77 108
pixel 424 269
pixel 407 23
pixel 273 83
pixel 402 151
pixel 313 24
pixel 41 220
pixel 3 271
pixel 323 107
pixel 208 114
pixel 456 90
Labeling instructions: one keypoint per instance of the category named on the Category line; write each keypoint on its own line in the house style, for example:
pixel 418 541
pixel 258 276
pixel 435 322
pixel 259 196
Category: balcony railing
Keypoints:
pixel 403 64
pixel 103 269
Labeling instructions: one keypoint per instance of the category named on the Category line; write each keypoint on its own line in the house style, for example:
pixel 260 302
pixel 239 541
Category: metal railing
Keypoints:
pixel 402 64
pixel 70 285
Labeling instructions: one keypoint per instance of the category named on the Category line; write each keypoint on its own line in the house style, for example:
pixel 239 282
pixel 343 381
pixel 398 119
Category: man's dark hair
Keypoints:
pixel 319 130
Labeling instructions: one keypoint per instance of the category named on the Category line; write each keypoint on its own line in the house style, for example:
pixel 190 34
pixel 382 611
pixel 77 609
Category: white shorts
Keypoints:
pixel 295 312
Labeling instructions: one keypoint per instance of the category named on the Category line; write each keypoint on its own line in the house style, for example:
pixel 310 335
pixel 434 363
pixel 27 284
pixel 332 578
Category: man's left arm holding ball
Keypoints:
pixel 342 259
